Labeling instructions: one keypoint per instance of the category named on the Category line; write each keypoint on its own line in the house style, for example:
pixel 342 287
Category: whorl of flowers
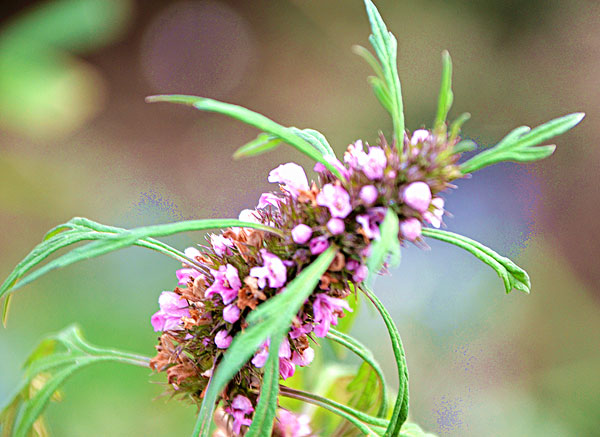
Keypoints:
pixel 242 267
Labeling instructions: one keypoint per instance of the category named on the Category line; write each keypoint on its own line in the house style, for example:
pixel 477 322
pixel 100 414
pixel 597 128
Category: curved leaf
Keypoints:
pixel 511 274
pixel 446 97
pixel 261 144
pixel 387 244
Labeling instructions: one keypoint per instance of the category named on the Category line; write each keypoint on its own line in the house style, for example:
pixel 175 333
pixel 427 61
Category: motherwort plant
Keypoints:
pixel 253 302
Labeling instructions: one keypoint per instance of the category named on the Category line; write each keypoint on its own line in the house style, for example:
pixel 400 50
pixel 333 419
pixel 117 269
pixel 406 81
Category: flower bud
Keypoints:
pixel 418 196
pixel 336 226
pixel 301 233
pixel 411 229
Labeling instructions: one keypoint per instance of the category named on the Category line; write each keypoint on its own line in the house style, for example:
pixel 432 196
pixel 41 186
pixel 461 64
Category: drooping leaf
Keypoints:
pixel 400 411
pixel 464 146
pixel 261 144
pixel 370 59
pixel 385 46
pixel 410 429
pixel 315 139
pixel 520 144
pixel 345 323
pixel 108 239
pixel 387 245
pixel 511 274
pixel 457 125
pixel 446 96
pixel 251 118
pixel 48 367
pixel 268 320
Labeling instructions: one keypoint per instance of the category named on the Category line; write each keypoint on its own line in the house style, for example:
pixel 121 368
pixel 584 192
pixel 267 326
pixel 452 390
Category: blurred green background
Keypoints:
pixel 77 139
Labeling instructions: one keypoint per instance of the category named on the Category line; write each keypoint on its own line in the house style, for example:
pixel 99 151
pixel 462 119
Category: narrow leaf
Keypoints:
pixel 457 125
pixel 464 146
pixel 511 274
pixel 370 59
pixel 519 144
pixel 251 118
pixel 446 97
pixel 381 92
pixel 410 429
pixel 385 46
pixel 315 139
pixel 268 320
pixel 263 143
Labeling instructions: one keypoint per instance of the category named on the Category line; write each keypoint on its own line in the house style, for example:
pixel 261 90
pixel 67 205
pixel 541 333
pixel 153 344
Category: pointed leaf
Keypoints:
pixel 387 244
pixel 519 144
pixel 253 119
pixel 385 46
pixel 446 97
pixel 315 139
pixel 457 125
pixel 381 92
pixel 370 59
pixel 511 274
pixel 263 143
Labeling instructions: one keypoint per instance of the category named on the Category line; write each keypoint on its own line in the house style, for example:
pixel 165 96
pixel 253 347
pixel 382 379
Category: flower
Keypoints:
pixel 419 136
pixel 301 233
pixel 292 425
pixel 360 274
pixel 318 245
pixel 355 154
pixel 336 226
pixel 223 339
pixel 260 358
pixel 240 407
pixel 370 222
pixel 221 244
pixel 411 229
pixel 336 199
pixel 305 358
pixel 273 269
pixel 326 310
pixel 231 313
pixel 267 199
pixel 417 195
pixel 435 217
pixel 286 368
pixel 368 194
pixel 172 308
pixel 291 176
pixel 186 274
pixel 227 283
pixel 374 164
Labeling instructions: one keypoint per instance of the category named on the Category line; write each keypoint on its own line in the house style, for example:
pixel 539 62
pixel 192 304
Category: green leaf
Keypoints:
pixel 457 125
pixel 52 362
pixel 511 274
pixel 5 309
pixel 464 146
pixel 109 239
pixel 251 118
pixel 370 59
pixel 519 144
pixel 400 412
pixel 345 323
pixel 387 244
pixel 385 46
pixel 264 415
pixel 315 139
pixel 261 144
pixel 381 92
pixel 446 96
pixel 268 320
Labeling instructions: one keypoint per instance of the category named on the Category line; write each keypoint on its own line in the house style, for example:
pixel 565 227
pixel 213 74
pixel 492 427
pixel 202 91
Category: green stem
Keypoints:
pixel 400 412
pixel 355 417
pixel 366 355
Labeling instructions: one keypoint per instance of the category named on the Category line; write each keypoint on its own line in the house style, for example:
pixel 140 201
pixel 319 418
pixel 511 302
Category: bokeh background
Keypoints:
pixel 77 139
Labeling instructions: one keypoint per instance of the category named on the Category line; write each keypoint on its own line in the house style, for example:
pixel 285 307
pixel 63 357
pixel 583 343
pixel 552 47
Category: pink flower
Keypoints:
pixel 267 199
pixel 291 176
pixel 435 217
pixel 227 283
pixel 368 194
pixel 419 136
pixel 285 351
pixel 286 368
pixel 305 358
pixel 417 195
pixel 260 358
pixel 273 269
pixel 301 233
pixel 298 331
pixel 360 274
pixel 221 245
pixel 223 339
pixel 291 425
pixel 240 407
pixel 370 222
pixel 374 164
pixel 326 310
pixel 248 215
pixel 318 245
pixel 172 308
pixel 336 226
pixel 231 313
pixel 355 154
pixel 336 199
pixel 411 229
pixel 186 274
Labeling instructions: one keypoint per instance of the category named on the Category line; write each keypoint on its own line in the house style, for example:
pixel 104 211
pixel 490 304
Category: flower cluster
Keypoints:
pixel 242 267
